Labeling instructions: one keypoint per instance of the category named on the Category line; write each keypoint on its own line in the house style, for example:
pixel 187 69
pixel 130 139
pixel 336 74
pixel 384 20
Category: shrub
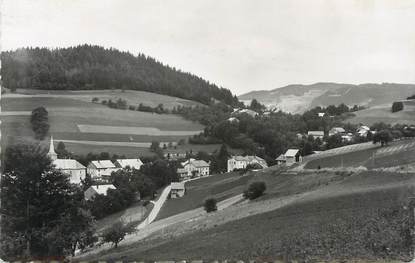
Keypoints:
pixel 210 205
pixel 255 190
pixel 95 99
pixel 397 106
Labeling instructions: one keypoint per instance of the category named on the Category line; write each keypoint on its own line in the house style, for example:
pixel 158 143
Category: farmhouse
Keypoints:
pixel 290 157
pixel 337 130
pixel 101 169
pixel 293 156
pixel 193 168
pixel 316 134
pixel 72 168
pixel 363 130
pixel 132 163
pixel 177 190
pixel 95 190
pixel 281 159
pixel 246 111
pixel 240 162
pixel 173 155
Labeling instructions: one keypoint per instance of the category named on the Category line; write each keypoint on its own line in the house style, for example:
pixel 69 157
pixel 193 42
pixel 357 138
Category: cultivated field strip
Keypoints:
pixel 341 150
pixel 395 149
pixel 150 131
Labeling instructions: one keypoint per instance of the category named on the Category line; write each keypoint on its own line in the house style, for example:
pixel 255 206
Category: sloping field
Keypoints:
pixel 220 187
pixel 78 121
pixel 354 216
pixel 384 114
pixel 132 97
pixel 395 154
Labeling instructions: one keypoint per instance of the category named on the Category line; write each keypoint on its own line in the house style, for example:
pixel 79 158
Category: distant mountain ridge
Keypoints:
pixel 298 98
pixel 88 67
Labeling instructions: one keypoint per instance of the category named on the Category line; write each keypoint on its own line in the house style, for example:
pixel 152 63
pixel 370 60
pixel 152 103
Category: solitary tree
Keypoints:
pixel 384 137
pixel 397 106
pixel 116 233
pixel 255 190
pixel 40 122
pixel 210 205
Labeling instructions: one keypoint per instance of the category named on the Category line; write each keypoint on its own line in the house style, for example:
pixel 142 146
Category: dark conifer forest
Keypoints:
pixel 89 67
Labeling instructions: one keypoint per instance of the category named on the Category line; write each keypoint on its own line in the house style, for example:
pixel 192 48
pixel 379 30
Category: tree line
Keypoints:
pixel 88 67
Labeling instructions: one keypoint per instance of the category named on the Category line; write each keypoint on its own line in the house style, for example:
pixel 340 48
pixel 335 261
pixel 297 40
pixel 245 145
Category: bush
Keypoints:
pixel 255 190
pixel 397 106
pixel 210 205
pixel 95 99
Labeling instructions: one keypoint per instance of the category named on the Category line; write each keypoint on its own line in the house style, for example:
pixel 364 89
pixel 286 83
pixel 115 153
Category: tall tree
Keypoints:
pixel 40 122
pixel 43 213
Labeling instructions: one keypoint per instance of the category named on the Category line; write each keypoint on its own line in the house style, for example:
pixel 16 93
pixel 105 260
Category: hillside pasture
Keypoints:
pixel 219 186
pixel 383 113
pixel 357 216
pixel 67 115
pixel 395 154
pixel 132 97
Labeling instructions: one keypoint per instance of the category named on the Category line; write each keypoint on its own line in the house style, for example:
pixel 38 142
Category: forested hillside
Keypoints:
pixel 89 67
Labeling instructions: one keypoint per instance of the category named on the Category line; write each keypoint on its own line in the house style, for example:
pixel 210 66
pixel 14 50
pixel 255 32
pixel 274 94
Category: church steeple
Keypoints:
pixel 52 154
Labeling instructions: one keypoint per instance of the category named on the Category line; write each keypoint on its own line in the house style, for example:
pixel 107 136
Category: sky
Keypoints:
pixel 242 45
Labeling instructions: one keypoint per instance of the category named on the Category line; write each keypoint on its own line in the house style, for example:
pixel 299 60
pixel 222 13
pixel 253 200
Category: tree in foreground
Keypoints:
pixel 210 205
pixel 43 215
pixel 116 233
pixel 255 190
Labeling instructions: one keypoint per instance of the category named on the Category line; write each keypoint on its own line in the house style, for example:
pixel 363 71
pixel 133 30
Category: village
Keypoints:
pixel 190 168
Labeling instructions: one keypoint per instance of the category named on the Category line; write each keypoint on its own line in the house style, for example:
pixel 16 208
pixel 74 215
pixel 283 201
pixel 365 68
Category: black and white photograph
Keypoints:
pixel 206 131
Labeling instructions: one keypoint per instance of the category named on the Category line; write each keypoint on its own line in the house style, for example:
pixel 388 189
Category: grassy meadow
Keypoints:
pixel 73 117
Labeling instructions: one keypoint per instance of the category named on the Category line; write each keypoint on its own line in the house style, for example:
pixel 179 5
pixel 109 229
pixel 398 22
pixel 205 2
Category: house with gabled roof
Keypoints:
pixel 290 157
pixel 132 163
pixel 101 169
pixel 95 190
pixel 337 130
pixel 293 156
pixel 177 190
pixel 193 168
pixel 241 162
pixel 316 134
pixel 75 170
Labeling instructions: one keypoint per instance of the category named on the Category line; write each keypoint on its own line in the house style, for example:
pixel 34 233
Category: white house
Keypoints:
pixel 75 170
pixel 293 156
pixel 95 190
pixel 177 190
pixel 193 167
pixel 337 130
pixel 240 162
pixel 132 163
pixel 281 159
pixel 316 134
pixel 246 111
pixel 363 130
pixel 101 169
